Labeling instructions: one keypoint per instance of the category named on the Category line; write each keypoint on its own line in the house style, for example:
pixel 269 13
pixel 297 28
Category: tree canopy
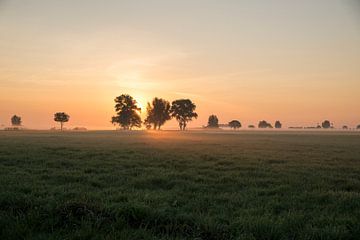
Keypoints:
pixel 158 112
pixel 16 120
pixel 235 124
pixel 326 124
pixel 213 121
pixel 183 110
pixel 264 124
pixel 278 124
pixel 62 118
pixel 127 112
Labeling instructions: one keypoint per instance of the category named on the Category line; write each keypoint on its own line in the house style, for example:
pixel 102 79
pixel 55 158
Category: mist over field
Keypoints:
pixel 179 185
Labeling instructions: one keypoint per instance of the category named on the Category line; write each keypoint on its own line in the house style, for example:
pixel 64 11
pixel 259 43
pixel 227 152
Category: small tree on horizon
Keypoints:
pixel 278 124
pixel 213 121
pixel 264 124
pixel 184 111
pixel 234 124
pixel 158 112
pixel 326 124
pixel 358 126
pixel 62 118
pixel 127 112
pixel 16 120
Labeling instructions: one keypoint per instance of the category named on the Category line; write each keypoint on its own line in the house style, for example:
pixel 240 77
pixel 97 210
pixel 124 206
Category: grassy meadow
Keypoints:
pixel 179 185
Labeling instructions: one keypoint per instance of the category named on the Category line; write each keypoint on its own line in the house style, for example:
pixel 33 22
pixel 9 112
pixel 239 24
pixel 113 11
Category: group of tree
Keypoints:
pixel 158 112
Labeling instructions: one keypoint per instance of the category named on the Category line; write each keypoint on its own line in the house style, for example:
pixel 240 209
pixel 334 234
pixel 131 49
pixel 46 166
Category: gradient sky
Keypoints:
pixel 296 61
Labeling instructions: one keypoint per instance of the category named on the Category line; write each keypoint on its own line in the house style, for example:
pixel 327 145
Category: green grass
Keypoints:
pixel 179 185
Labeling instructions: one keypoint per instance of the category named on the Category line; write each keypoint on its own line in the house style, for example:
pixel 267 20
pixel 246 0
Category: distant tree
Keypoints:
pixel 326 124
pixel 345 127
pixel 358 126
pixel 184 111
pixel 234 124
pixel 127 112
pixel 318 126
pixel 278 124
pixel 158 112
pixel 251 126
pixel 264 124
pixel 16 120
pixel 62 118
pixel 213 121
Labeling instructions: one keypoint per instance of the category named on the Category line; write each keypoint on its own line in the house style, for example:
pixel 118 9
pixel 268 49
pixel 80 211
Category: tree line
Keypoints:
pixel 159 111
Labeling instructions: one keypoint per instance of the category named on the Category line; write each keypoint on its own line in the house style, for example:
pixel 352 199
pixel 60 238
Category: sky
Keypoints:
pixel 293 61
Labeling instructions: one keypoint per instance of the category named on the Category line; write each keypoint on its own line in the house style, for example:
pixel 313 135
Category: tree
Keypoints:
pixel 264 124
pixel 158 112
pixel 62 118
pixel 358 126
pixel 16 120
pixel 183 111
pixel 251 126
pixel 326 124
pixel 234 124
pixel 345 127
pixel 278 124
pixel 213 122
pixel 127 112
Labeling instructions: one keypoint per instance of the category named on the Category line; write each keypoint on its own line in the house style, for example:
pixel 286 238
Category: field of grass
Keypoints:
pixel 179 185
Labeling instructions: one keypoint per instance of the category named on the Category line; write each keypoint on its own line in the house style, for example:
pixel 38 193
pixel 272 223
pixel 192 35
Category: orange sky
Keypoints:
pixel 298 62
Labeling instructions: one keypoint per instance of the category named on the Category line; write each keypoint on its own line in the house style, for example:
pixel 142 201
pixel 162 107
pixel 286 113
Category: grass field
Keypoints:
pixel 179 185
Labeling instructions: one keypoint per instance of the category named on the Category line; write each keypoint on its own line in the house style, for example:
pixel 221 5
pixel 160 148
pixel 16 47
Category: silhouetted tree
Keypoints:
pixel 16 120
pixel 251 126
pixel 62 118
pixel 127 112
pixel 278 124
pixel 158 112
pixel 345 127
pixel 183 111
pixel 358 126
pixel 326 124
pixel 213 121
pixel 264 124
pixel 234 124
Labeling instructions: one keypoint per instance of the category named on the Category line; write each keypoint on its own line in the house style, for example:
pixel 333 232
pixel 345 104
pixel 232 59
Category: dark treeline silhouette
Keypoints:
pixel 62 118
pixel 158 112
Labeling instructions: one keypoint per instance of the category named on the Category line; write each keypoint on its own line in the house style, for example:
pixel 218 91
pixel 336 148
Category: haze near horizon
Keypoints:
pixel 294 61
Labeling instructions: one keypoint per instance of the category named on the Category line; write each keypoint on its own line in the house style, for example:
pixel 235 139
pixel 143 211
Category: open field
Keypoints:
pixel 179 185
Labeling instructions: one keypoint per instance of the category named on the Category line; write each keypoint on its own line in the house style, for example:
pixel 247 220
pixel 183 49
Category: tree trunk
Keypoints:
pixel 61 126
